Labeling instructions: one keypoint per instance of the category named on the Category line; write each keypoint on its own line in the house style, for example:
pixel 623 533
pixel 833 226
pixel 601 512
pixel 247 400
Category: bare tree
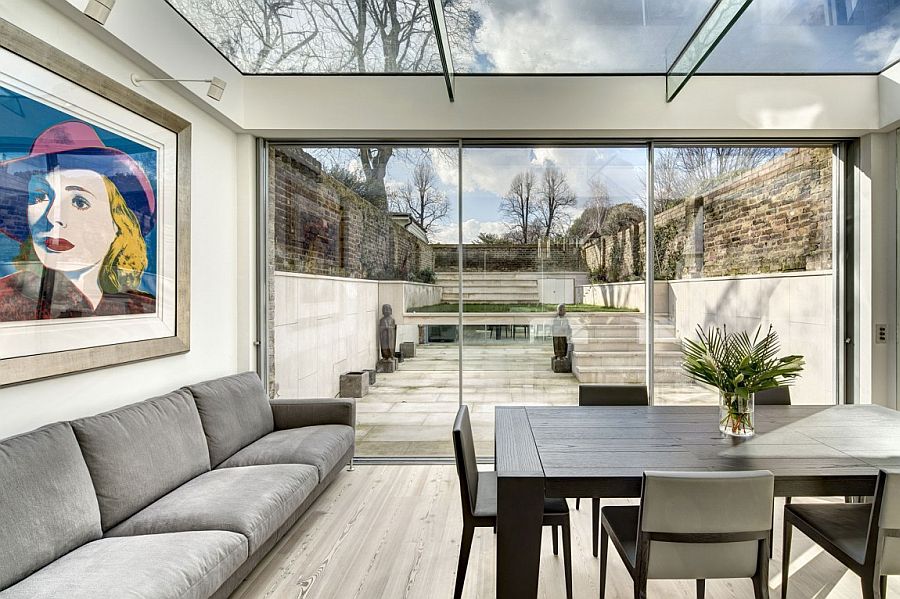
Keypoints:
pixel 688 171
pixel 420 198
pixel 490 239
pixel 554 195
pixel 595 214
pixel 519 206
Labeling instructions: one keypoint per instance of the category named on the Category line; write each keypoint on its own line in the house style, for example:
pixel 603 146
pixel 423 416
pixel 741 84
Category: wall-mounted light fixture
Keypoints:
pixel 215 91
pixel 99 10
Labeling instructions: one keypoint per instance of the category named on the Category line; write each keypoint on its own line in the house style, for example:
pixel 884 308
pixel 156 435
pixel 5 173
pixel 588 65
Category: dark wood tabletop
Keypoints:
pixel 604 451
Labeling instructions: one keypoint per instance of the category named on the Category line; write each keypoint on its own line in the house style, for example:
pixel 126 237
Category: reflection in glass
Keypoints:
pixel 742 240
pixel 811 36
pixel 319 36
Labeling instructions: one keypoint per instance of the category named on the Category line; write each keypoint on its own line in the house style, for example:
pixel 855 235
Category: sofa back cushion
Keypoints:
pixel 235 412
pixel 47 501
pixel 138 453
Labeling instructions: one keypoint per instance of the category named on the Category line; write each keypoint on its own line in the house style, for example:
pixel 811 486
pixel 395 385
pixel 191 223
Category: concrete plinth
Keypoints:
pixel 408 349
pixel 354 384
pixel 388 365
pixel 371 373
pixel 561 364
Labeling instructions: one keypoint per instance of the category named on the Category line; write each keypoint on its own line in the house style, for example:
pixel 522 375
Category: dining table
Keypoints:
pixel 572 451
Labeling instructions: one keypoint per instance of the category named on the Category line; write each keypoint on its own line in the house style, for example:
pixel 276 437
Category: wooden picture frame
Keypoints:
pixel 169 200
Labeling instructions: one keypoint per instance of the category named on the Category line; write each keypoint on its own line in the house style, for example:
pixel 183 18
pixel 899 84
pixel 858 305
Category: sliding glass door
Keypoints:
pixel 442 268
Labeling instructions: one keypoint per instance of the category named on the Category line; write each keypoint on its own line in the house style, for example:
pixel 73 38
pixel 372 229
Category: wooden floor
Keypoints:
pixel 393 532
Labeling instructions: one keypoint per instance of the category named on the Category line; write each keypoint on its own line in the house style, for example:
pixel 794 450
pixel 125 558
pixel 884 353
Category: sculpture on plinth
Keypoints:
pixel 387 340
pixel 562 341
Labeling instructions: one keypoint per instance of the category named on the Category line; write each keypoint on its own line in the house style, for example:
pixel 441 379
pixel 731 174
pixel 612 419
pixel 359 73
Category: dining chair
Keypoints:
pixel 777 396
pixel 608 395
pixel 865 537
pixel 478 491
pixel 694 525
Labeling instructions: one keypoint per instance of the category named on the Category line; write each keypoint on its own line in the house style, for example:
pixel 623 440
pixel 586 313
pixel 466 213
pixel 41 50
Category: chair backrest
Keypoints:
pixel 613 395
pixel 777 396
pixel 704 524
pixel 466 465
pixel 885 521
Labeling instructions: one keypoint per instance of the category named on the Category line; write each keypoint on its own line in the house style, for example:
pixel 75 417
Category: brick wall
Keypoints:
pixel 563 257
pixel 321 227
pixel 775 218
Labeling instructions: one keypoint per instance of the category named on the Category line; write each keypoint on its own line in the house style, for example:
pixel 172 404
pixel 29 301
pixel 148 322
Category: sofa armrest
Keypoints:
pixel 294 413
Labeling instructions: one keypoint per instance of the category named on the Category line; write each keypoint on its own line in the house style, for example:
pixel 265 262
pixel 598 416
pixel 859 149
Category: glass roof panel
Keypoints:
pixel 810 36
pixel 318 36
pixel 570 36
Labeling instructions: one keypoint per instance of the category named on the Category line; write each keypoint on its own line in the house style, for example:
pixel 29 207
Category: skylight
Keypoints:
pixel 544 36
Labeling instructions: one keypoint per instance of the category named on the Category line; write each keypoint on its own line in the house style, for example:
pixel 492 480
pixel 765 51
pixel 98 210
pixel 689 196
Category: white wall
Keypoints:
pixel 800 307
pixel 627 295
pixel 215 319
pixel 876 269
pixel 324 327
pixel 889 97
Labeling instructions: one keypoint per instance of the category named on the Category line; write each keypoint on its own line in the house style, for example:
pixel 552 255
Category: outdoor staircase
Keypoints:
pixel 489 287
pixel 613 350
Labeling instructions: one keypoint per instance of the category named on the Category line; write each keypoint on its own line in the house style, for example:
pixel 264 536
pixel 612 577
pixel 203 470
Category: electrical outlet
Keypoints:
pixel 880 333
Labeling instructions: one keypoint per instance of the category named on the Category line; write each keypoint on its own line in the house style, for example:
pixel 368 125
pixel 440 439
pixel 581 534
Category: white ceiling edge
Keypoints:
pixel 611 106
pixel 889 98
pixel 152 34
pixel 383 106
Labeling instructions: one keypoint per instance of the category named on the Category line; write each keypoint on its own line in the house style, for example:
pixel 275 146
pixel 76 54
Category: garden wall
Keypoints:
pixel 321 227
pixel 775 218
pixel 564 256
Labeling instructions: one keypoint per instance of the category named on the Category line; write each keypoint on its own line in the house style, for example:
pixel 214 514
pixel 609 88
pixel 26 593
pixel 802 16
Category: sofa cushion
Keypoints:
pixel 138 453
pixel 321 446
pixel 184 565
pixel 235 412
pixel 254 501
pixel 47 501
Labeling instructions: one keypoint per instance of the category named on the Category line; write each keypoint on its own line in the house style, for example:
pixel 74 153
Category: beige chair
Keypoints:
pixel 865 537
pixel 694 525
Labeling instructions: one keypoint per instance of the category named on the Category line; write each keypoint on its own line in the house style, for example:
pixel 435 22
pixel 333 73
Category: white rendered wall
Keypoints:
pixel 215 319
pixel 324 327
pixel 889 97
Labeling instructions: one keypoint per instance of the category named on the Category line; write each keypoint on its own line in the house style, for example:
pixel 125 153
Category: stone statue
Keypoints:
pixel 387 340
pixel 562 337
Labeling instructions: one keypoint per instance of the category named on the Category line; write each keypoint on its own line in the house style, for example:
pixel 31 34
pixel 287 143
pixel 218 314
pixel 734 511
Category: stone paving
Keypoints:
pixel 410 412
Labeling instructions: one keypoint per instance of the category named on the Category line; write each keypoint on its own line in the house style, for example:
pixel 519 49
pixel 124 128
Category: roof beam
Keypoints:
pixel 443 44
pixel 720 18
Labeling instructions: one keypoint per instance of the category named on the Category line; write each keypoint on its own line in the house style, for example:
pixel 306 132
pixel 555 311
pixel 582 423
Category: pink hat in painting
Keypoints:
pixel 72 145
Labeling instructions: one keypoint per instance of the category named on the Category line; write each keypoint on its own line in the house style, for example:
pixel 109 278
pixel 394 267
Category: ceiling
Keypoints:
pixel 544 37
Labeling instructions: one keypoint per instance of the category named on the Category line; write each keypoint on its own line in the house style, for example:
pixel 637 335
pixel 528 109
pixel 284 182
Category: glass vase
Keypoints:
pixel 736 414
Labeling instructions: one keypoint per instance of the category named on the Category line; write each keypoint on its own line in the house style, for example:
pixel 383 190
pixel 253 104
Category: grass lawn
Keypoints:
pixel 475 307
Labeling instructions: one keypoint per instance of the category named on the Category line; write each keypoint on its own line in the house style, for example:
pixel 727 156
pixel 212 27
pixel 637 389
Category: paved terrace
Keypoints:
pixel 410 412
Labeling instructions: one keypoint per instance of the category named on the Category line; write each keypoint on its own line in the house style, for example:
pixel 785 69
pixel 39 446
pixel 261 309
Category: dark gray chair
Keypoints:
pixel 608 395
pixel 779 396
pixel 694 525
pixel 478 491
pixel 865 537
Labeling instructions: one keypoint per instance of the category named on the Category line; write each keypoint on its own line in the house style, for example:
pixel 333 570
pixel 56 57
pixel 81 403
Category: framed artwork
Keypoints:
pixel 94 218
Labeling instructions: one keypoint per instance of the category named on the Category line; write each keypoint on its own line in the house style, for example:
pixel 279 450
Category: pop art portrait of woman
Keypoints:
pixel 82 214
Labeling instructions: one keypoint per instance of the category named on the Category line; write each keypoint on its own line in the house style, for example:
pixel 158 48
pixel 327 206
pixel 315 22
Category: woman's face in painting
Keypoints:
pixel 70 220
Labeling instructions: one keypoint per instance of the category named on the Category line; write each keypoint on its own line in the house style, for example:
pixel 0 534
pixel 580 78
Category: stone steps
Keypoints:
pixel 627 375
pixel 616 359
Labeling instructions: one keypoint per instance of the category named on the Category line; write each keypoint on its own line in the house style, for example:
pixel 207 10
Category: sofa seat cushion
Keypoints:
pixel 184 565
pixel 321 446
pixel 254 501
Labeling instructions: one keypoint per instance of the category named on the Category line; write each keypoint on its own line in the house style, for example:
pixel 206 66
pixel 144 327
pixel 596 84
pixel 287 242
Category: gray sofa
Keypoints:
pixel 177 496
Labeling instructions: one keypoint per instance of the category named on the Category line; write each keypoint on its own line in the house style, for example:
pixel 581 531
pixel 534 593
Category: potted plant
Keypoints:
pixel 738 367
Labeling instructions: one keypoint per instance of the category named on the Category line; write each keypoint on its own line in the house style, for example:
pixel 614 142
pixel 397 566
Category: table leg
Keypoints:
pixel 520 512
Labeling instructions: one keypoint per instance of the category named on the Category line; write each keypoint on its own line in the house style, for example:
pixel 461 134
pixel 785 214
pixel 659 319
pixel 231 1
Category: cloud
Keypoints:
pixel 471 229
pixel 880 47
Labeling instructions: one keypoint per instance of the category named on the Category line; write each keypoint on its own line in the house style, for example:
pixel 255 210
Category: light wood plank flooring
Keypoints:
pixel 393 532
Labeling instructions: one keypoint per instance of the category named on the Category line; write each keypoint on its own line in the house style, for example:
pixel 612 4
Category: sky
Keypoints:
pixel 487 173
